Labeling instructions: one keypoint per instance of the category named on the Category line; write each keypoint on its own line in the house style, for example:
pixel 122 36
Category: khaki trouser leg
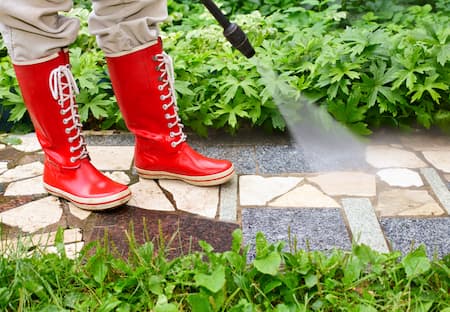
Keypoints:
pixel 33 30
pixel 123 26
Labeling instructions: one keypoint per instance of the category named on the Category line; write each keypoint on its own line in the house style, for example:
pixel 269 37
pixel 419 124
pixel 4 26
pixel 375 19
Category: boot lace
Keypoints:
pixel 167 79
pixel 64 88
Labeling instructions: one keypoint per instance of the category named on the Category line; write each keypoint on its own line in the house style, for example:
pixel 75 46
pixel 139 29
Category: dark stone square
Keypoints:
pixel 312 228
pixel 406 234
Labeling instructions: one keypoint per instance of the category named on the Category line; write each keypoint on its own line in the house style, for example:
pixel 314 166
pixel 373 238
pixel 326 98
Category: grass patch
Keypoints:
pixel 147 280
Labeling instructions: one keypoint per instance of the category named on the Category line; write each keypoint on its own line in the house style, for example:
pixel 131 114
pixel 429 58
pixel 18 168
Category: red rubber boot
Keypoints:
pixel 144 87
pixel 48 90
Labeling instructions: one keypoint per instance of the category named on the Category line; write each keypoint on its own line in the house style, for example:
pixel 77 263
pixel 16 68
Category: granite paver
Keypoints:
pixel 406 234
pixel 364 224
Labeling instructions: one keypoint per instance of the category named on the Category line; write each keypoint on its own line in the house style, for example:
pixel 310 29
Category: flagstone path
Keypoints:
pixel 394 196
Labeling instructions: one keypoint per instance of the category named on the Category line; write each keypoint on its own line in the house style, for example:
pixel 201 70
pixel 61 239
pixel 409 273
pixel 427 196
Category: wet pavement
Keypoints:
pixel 391 195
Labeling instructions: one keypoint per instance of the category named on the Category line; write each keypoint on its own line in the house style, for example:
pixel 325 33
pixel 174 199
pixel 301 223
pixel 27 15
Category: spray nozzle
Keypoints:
pixel 234 34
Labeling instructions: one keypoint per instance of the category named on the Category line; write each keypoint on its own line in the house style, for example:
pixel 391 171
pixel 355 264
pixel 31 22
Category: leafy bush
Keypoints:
pixel 276 280
pixel 369 63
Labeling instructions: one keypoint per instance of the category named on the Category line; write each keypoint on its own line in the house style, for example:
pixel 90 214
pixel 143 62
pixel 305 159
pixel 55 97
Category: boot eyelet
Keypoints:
pixel 65 121
pixel 162 98
pixel 160 79
pixel 165 107
pixel 167 116
pixel 72 149
pixel 173 144
pixel 70 140
pixel 171 134
pixel 62 112
pixel 68 131
pixel 160 88
pixel 73 159
pixel 169 125
pixel 154 57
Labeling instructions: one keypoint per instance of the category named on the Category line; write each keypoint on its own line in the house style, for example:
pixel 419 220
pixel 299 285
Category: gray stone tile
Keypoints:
pixel 228 200
pixel 364 224
pixel 406 234
pixel 276 159
pixel 314 228
pixel 243 157
pixel 104 138
pixel 437 186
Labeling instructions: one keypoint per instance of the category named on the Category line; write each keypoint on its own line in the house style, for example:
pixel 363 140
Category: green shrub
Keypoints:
pixel 369 63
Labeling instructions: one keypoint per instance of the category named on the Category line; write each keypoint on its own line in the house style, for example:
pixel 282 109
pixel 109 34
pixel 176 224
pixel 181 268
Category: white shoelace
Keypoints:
pixel 167 79
pixel 65 92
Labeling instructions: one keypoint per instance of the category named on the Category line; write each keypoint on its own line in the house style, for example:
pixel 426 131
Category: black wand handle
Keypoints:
pixel 234 34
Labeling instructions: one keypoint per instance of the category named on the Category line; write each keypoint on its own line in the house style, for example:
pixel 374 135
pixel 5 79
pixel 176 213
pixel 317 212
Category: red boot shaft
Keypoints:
pixel 144 88
pixel 48 89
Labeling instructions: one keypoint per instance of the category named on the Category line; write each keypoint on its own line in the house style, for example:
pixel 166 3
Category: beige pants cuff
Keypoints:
pixel 35 29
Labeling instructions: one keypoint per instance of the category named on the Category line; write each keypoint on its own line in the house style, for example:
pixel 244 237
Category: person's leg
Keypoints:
pixel 143 82
pixel 35 43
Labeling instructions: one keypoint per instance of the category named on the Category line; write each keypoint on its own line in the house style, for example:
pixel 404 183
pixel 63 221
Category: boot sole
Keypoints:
pixel 92 204
pixel 207 180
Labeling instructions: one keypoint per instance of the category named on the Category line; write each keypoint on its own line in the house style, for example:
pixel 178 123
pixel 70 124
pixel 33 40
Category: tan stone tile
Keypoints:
pixel 31 186
pixel 111 157
pixel 306 196
pixel 2 146
pixel 400 177
pixel 72 249
pixel 40 240
pixel 22 172
pixel 403 202
pixel 390 157
pixel 3 166
pixel 202 201
pixel 34 215
pixel 346 183
pixel 81 214
pixel 258 190
pixel 29 143
pixel 421 142
pixel 440 159
pixel 118 176
pixel 146 194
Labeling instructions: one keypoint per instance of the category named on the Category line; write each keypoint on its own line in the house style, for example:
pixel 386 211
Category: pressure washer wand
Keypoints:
pixel 234 34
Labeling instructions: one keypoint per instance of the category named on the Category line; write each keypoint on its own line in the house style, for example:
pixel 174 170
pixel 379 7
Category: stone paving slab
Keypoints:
pixel 322 199
pixel 406 234
pixel 311 228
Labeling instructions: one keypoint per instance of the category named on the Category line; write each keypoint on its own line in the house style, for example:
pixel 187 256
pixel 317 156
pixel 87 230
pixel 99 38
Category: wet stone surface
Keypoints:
pixel 181 231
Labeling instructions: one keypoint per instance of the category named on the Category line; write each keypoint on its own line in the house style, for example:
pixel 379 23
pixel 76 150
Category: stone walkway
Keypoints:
pixel 394 195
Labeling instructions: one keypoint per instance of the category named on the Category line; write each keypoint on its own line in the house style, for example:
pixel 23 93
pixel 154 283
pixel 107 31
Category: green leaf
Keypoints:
pixel 99 268
pixel 214 281
pixel 268 264
pixel 429 86
pixel 166 307
pixel 199 302
pixel 416 263
pixel 311 280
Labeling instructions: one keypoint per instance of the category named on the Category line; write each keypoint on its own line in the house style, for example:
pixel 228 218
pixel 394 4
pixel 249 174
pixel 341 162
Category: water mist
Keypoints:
pixel 325 143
